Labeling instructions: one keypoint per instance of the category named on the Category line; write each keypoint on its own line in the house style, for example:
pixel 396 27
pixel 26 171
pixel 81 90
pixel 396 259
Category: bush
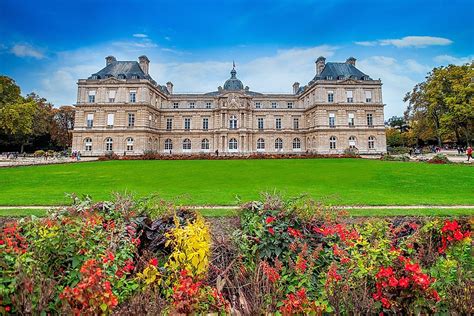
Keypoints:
pixel 39 153
pixel 395 158
pixel 398 150
pixel 351 152
pixel 439 159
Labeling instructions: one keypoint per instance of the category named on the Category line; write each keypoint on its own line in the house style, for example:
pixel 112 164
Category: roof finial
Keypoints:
pixel 233 64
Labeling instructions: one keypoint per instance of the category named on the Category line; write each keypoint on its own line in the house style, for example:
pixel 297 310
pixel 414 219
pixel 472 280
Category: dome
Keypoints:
pixel 233 83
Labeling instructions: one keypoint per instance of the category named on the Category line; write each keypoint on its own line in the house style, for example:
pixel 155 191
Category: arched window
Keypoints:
pixel 260 144
pixel 109 144
pixel 332 142
pixel 296 144
pixel 168 144
pixel 187 144
pixel 352 142
pixel 88 144
pixel 233 122
pixel 233 144
pixel 205 144
pixel 278 144
pixel 129 144
pixel 371 142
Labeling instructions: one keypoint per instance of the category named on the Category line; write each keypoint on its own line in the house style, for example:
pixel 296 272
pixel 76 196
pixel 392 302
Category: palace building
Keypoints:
pixel 121 109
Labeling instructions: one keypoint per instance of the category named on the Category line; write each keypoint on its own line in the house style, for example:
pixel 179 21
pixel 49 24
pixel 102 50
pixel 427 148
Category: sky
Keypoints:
pixel 46 46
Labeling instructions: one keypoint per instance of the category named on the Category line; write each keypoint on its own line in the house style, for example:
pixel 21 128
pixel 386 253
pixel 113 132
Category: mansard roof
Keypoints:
pixel 337 71
pixel 122 70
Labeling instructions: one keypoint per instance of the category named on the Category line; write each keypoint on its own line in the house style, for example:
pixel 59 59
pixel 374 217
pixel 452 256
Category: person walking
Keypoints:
pixel 217 152
pixel 469 153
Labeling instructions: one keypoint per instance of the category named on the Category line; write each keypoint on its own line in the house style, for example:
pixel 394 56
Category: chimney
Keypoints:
pixel 320 63
pixel 296 87
pixel 144 63
pixel 351 61
pixel 109 60
pixel 169 86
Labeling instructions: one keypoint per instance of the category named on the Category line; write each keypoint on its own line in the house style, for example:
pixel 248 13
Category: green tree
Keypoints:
pixel 16 121
pixel 9 92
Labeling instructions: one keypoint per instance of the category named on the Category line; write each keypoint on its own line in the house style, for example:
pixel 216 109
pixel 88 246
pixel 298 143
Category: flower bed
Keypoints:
pixel 297 257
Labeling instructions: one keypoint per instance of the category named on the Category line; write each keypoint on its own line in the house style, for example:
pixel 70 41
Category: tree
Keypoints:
pixel 9 92
pixel 16 120
pixel 443 105
pixel 397 122
pixel 61 131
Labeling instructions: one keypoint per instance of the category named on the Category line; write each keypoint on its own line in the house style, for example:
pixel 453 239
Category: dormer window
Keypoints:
pixel 95 77
pixel 328 77
pixel 134 76
pixel 340 77
pixel 121 76
pixel 365 78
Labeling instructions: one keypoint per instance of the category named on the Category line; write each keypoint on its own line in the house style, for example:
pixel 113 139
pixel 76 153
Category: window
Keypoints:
pixel 187 144
pixel 233 122
pixel 278 123
pixel 187 124
pixel 205 144
pixel 90 120
pixel 191 105
pixel 208 105
pixel 205 123
pixel 296 144
pixel 131 119
pixel 258 105
pixel 349 96
pixel 332 142
pixel 274 105
pixel 169 124
pixel 168 144
pixel 129 144
pixel 296 123
pixel 260 122
pixel 260 144
pixel 278 144
pixel 370 120
pixel 233 144
pixel 328 77
pixel 332 120
pixel 91 96
pixel 350 119
pixel 134 77
pixel 88 144
pixel 368 96
pixel 371 142
pixel 112 96
pixel 352 142
pixel 108 144
pixel 330 96
pixel 290 105
pixel 175 105
pixel 110 119
pixel 133 96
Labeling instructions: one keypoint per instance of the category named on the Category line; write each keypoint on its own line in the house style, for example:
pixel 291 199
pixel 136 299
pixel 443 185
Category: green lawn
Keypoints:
pixel 208 182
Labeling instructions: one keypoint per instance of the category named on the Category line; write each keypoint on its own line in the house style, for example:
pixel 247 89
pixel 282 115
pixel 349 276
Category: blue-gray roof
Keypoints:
pixel 338 71
pixel 122 70
pixel 233 83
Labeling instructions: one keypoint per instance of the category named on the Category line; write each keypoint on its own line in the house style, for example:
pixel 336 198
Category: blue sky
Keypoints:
pixel 46 46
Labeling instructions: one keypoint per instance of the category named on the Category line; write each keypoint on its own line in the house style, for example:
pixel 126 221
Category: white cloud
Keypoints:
pixel 26 50
pixel 140 35
pixel 415 66
pixel 409 41
pixel 447 59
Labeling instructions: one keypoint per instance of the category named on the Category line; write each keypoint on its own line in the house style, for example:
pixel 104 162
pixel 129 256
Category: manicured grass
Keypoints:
pixel 22 212
pixel 208 182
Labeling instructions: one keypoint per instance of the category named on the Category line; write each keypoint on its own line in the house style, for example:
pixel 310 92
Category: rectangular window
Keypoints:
pixel 368 96
pixel 258 105
pixel 175 105
pixel 260 122
pixel 290 105
pixel 112 96
pixel 332 120
pixel 90 120
pixel 110 119
pixel 370 119
pixel 191 105
pixel 187 124
pixel 350 119
pixel 278 123
pixel 330 96
pixel 169 124
pixel 205 123
pixel 349 96
pixel 133 96
pixel 274 105
pixel 91 96
pixel 131 119
pixel 296 123
pixel 208 105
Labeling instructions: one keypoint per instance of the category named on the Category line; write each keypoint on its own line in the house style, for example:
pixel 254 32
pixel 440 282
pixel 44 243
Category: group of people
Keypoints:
pixel 76 155
pixel 435 149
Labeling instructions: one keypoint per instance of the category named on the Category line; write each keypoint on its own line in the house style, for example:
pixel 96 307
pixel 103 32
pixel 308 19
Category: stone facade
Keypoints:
pixel 121 109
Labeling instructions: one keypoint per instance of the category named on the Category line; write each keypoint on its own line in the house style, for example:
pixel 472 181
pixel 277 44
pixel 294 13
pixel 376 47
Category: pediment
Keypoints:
pixel 349 81
pixel 111 80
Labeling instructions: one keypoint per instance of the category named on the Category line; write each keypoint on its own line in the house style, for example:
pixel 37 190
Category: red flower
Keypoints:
pixel 294 232
pixel 392 281
pixel 109 256
pixel 412 267
pixel 271 231
pixel 301 264
pixel 435 295
pixel 384 273
pixel 7 308
pixel 458 235
pixel 385 302
pixel 270 219
pixel 404 282
pixel 153 262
